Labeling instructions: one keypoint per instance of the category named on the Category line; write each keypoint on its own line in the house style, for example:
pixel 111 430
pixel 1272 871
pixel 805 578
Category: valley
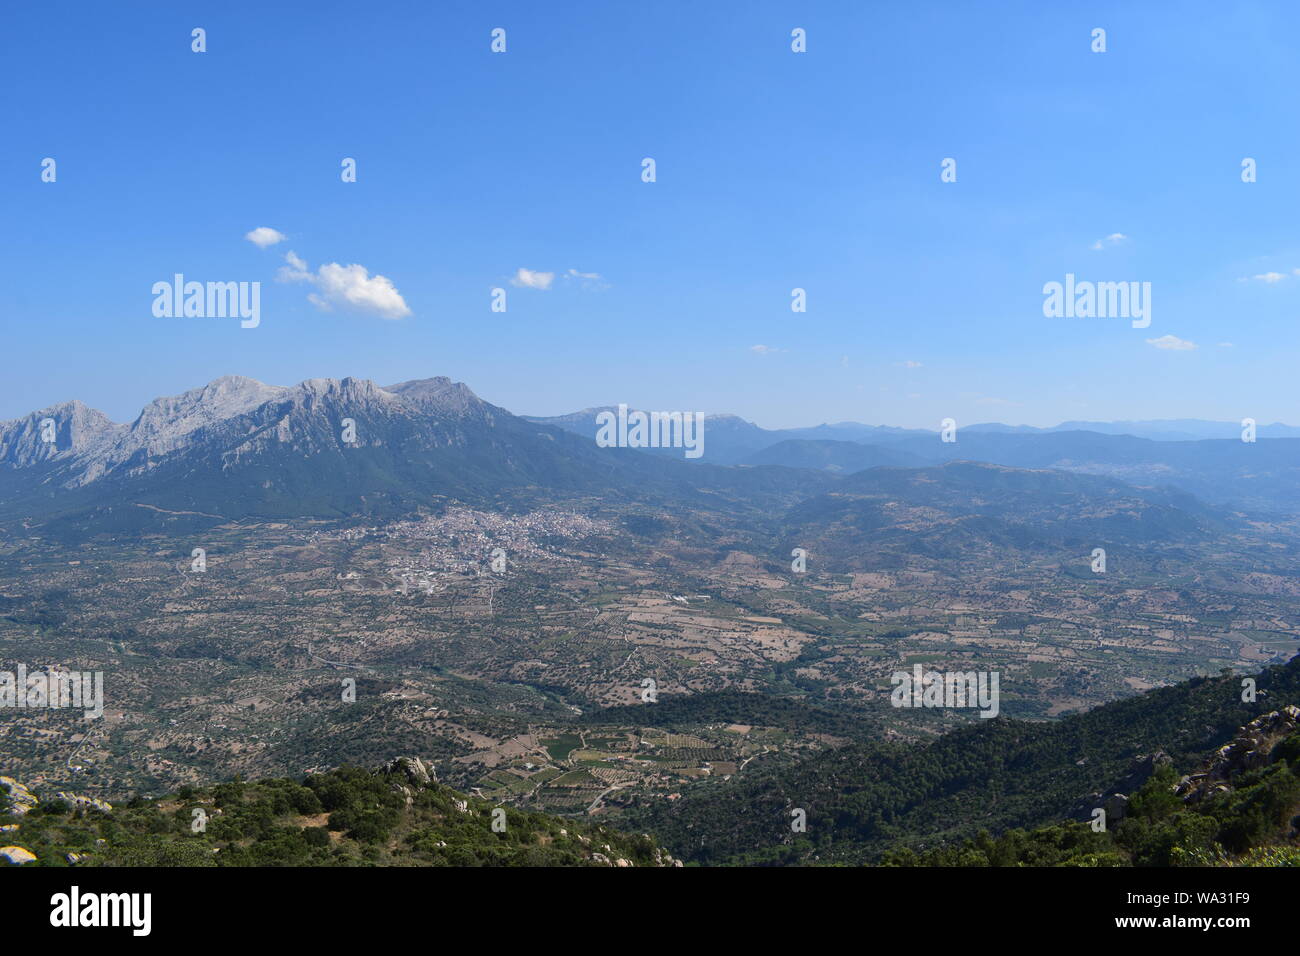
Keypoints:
pixel 597 654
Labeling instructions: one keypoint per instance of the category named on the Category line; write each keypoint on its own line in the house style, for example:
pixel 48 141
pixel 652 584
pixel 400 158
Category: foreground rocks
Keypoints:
pixel 16 855
pixel 1250 749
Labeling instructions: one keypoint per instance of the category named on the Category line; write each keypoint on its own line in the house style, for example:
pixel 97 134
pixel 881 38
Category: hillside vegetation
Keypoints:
pixel 867 799
pixel 1241 809
pixel 347 817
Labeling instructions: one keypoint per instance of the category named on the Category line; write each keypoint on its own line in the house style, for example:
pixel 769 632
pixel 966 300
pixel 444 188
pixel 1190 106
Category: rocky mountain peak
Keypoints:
pixel 439 394
pixel 59 431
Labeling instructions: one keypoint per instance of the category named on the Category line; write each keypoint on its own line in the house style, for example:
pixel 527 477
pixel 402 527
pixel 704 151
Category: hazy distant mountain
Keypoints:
pixel 728 438
pixel 964 508
pixel 736 438
pixel 1205 458
pixel 1259 476
pixel 1175 429
pixel 731 440
pixel 851 431
pixel 841 457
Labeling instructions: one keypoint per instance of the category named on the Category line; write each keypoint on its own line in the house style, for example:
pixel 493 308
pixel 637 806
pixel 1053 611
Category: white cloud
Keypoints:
pixel 528 279
pixel 1113 239
pixel 1269 277
pixel 1172 342
pixel 264 236
pixel 589 280
pixel 764 350
pixel 296 271
pixel 350 287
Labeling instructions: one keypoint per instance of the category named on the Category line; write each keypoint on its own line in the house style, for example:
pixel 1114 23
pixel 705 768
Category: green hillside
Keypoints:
pixel 1246 813
pixel 866 799
pixel 396 816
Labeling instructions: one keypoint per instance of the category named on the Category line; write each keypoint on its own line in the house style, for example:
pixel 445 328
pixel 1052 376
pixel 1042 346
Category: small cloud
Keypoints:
pixel 1269 277
pixel 1113 239
pixel 296 270
pixel 264 236
pixel 350 287
pixel 1172 342
pixel 528 279
pixel 909 364
pixel 589 280
pixel 764 350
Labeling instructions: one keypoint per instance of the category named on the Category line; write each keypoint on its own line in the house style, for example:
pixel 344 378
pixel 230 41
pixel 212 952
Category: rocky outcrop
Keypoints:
pixel 1116 807
pixel 1115 800
pixel 21 800
pixel 1250 749
pixel 78 802
pixel 412 769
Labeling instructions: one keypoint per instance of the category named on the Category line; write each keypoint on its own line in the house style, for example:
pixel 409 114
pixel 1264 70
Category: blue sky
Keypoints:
pixel 775 170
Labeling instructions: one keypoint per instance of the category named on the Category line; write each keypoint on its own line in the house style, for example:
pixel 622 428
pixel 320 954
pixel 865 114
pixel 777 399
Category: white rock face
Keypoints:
pixel 77 430
pixel 441 395
pixel 174 423
pixel 165 422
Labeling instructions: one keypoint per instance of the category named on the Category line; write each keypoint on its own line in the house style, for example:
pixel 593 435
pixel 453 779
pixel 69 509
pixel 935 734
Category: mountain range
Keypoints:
pixel 1207 459
pixel 237 448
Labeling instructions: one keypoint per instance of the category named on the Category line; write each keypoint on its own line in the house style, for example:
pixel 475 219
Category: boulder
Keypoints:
pixel 1116 807
pixel 17 855
pixel 413 769
pixel 78 802
pixel 21 800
